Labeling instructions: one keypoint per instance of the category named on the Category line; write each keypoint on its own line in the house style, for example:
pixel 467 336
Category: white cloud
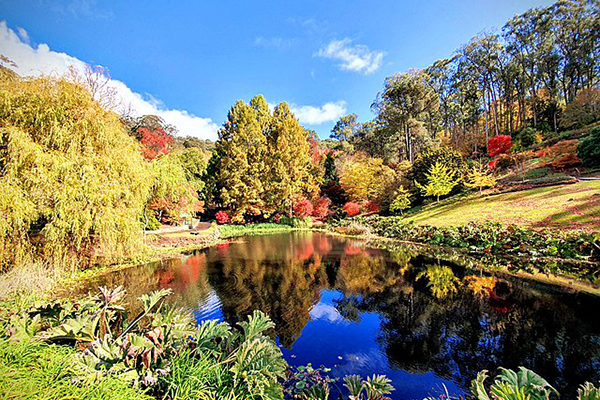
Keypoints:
pixel 314 115
pixel 357 58
pixel 41 60
pixel 23 35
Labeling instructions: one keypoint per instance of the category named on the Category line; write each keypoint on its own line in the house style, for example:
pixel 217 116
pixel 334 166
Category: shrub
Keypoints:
pixel 451 159
pixel 303 208
pixel 536 173
pixel 352 209
pixel 499 144
pixel 564 154
pixel 505 161
pixel 222 217
pixel 582 111
pixel 296 222
pixel 371 206
pixel 589 149
pixel 529 136
pixel 321 207
pixel 509 384
pixel 161 351
pixel 354 229
pixel 153 223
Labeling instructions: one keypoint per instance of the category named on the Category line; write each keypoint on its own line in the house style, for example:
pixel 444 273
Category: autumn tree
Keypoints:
pixel 401 201
pixel 440 181
pixel 289 151
pixel 366 178
pixel 242 164
pixel 173 189
pixel 73 181
pixel 263 162
pixel 500 144
pixel 480 176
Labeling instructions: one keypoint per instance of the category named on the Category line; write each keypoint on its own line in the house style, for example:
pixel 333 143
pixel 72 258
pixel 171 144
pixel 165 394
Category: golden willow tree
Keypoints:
pixel 263 161
pixel 73 181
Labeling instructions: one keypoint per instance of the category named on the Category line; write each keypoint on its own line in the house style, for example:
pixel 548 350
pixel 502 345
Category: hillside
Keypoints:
pixel 566 207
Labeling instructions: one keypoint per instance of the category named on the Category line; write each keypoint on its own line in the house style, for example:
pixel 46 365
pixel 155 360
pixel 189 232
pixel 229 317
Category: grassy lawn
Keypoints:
pixel 36 371
pixel 569 207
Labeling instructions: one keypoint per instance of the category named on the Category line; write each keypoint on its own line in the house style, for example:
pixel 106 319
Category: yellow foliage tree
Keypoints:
pixel 73 181
pixel 366 178
pixel 480 176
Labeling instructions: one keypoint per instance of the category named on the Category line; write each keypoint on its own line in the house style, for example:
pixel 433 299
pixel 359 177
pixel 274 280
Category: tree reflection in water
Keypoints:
pixel 434 314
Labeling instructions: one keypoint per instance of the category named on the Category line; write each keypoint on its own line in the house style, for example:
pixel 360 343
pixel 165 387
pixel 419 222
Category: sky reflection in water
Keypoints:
pixel 419 319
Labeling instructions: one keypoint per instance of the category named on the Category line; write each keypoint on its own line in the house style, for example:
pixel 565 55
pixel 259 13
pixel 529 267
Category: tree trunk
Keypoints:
pixel 145 221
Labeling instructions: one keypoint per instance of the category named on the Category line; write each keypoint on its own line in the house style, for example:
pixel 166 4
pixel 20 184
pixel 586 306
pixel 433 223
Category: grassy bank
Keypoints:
pixel 566 207
pixel 33 370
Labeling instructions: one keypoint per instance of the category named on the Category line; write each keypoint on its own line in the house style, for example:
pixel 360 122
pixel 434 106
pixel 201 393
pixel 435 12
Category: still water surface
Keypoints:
pixel 421 320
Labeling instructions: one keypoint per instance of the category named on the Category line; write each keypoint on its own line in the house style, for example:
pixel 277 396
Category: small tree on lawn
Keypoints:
pixel 480 176
pixel 401 201
pixel 440 181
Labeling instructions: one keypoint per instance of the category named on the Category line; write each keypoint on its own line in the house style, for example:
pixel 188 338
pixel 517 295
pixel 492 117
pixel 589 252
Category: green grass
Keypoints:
pixel 33 370
pixel 251 229
pixel 569 207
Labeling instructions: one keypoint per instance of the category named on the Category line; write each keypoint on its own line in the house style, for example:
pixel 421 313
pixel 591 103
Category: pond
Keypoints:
pixel 421 319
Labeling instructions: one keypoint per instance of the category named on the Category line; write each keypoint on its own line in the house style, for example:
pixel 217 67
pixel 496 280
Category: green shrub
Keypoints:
pixel 492 238
pixel 588 149
pixel 509 385
pixel 221 362
pixel 536 173
pixel 528 137
pixel 153 223
pixel 252 229
pixel 296 222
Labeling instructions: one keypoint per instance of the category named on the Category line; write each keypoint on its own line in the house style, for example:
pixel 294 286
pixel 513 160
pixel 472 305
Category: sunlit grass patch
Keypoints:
pixel 569 207
pixel 30 370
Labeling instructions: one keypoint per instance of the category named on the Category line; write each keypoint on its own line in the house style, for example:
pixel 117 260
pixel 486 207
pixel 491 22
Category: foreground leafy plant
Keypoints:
pixel 513 385
pixel 230 363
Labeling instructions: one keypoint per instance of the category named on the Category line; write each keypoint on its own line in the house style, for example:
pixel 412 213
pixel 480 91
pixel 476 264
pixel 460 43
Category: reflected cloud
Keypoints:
pixel 327 312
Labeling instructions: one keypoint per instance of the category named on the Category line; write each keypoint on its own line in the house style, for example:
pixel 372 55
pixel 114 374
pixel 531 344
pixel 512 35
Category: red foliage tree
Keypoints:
pixel 321 207
pixel 352 209
pixel 371 206
pixel 154 142
pixel 222 217
pixel 303 208
pixel 499 144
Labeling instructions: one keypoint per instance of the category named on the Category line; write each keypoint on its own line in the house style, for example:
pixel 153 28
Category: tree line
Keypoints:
pixel 528 75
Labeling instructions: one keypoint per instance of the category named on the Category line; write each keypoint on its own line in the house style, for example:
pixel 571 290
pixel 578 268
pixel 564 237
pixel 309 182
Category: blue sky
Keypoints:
pixel 197 58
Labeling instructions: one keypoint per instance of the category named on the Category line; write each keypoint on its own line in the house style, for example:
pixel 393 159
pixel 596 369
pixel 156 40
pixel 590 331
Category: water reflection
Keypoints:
pixel 418 318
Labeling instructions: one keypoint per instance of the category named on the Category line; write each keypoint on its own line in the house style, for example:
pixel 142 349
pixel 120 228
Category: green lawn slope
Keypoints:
pixel 567 207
